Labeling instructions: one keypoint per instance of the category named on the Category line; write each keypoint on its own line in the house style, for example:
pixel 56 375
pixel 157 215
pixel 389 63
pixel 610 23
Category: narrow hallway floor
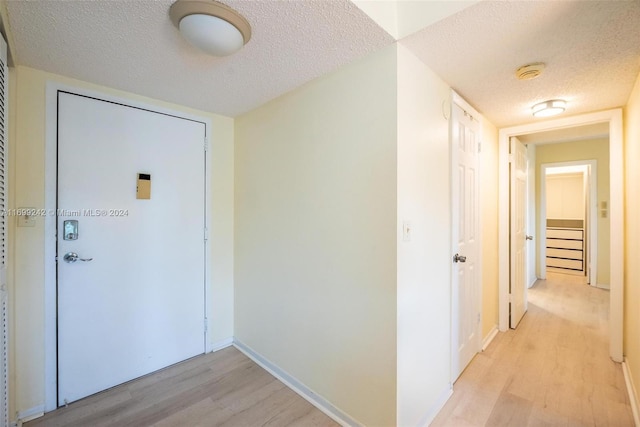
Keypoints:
pixel 553 370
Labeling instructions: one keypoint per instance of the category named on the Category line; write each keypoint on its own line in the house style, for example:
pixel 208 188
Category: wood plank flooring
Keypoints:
pixel 224 388
pixel 553 370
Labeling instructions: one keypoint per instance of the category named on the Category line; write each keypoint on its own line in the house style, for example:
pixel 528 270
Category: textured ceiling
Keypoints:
pixel 591 48
pixel 133 46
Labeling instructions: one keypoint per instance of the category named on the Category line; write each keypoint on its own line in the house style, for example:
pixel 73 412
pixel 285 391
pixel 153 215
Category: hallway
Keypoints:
pixel 554 370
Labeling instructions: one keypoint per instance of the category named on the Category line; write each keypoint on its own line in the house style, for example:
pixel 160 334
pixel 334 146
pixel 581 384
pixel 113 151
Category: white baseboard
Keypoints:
pixel 219 345
pixel 316 400
pixel 490 336
pixel 29 414
pixel 436 408
pixel 631 389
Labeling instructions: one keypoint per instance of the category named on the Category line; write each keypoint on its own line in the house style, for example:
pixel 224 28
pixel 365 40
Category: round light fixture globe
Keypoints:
pixel 211 26
pixel 549 108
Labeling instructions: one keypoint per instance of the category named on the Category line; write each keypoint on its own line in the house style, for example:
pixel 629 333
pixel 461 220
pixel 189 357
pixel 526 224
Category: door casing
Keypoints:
pixel 616 212
pixel 50 224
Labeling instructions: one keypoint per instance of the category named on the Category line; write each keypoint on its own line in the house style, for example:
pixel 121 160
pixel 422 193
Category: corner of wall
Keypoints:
pixel 489 226
pixel 631 280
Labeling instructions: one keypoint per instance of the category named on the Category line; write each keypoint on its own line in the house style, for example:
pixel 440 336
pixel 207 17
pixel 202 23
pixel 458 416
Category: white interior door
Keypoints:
pixel 467 283
pixel 518 286
pixel 138 304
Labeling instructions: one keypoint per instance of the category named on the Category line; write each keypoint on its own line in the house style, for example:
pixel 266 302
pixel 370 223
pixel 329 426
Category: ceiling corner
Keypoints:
pixel 382 12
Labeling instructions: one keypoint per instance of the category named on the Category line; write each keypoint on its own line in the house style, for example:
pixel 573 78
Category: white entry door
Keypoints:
pixel 133 302
pixel 518 283
pixel 466 292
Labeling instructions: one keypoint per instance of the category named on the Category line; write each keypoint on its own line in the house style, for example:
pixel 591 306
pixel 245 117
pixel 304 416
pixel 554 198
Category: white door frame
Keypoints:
pixel 50 277
pixel 616 167
pixel 592 218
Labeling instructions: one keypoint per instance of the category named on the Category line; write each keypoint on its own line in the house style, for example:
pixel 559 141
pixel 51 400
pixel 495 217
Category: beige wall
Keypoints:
pixel 26 245
pixel 594 149
pixel 565 196
pixel 632 231
pixel 315 236
pixel 424 265
pixel 489 225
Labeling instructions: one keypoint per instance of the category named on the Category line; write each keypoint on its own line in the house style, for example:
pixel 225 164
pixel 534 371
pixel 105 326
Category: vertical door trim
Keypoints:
pixel 616 212
pixel 50 275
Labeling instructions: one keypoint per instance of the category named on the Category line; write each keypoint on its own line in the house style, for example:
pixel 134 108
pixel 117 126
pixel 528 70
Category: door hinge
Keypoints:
pixel 206 325
pixel 206 234
pixel 479 147
pixel 478 317
pixel 510 298
pixel 206 144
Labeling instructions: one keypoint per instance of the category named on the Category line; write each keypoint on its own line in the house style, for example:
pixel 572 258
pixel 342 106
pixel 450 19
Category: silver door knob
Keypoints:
pixel 529 237
pixel 72 257
pixel 459 258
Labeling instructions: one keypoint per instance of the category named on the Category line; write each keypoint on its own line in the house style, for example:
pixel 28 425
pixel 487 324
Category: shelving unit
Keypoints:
pixel 565 248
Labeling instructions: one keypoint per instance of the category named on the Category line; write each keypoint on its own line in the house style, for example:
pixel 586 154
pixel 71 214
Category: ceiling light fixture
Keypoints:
pixel 211 26
pixel 530 71
pixel 549 108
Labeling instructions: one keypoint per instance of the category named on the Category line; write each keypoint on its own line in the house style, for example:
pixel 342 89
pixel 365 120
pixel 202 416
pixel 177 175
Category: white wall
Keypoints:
pixel 424 264
pixel 26 245
pixel 315 248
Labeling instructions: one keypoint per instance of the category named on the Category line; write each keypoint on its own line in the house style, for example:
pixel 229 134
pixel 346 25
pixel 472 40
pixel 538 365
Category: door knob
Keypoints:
pixel 72 257
pixel 459 258
pixel 529 237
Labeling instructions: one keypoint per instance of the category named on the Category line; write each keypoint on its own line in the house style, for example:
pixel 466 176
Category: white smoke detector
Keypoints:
pixel 531 71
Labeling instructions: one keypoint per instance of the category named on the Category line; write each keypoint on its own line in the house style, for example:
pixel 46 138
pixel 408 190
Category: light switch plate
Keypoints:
pixel 406 231
pixel 26 220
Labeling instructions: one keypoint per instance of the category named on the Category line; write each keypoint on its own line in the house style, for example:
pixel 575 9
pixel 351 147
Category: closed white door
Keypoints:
pixel 133 302
pixel 518 285
pixel 466 292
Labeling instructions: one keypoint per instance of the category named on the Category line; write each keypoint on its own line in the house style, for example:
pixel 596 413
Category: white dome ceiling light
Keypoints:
pixel 549 108
pixel 211 26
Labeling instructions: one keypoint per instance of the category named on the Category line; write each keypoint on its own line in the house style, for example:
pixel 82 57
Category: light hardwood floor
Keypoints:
pixel 224 388
pixel 553 370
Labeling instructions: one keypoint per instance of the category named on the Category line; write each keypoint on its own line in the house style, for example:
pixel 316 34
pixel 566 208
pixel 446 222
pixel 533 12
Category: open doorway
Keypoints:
pixel 574 232
pixel 611 122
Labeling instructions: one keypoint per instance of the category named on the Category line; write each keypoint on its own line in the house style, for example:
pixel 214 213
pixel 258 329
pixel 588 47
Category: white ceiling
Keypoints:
pixel 133 46
pixel 591 48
